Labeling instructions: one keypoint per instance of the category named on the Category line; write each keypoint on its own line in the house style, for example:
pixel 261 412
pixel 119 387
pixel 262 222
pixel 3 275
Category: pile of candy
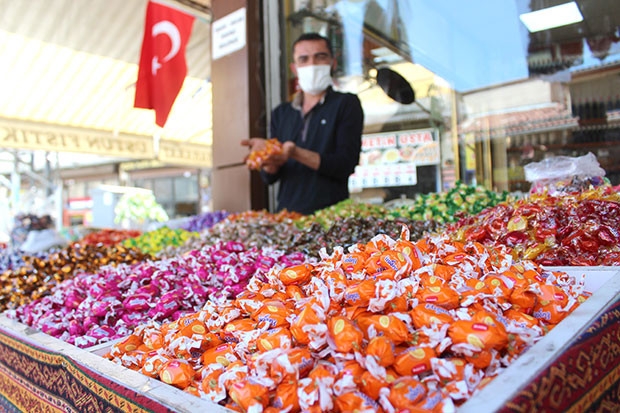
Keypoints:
pixel 204 221
pixel 153 242
pixel 256 158
pixel 254 228
pixel 389 324
pixel 95 308
pixel 11 258
pixel 450 206
pixel 579 229
pixel 348 208
pixel 108 236
pixel 350 231
pixel 39 276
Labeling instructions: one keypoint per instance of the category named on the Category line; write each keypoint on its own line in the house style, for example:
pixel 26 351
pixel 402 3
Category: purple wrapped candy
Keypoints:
pixel 137 302
pixel 101 333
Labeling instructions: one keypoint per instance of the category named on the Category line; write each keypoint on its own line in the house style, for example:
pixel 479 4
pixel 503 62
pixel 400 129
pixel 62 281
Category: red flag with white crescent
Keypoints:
pixel 162 60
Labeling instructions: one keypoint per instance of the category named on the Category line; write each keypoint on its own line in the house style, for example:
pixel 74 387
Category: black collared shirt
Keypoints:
pixel 333 128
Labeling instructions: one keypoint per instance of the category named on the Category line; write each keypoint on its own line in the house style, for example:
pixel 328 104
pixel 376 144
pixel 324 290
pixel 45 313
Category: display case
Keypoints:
pixel 574 367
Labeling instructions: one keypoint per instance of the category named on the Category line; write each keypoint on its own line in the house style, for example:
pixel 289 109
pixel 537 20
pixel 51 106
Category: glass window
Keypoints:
pixel 495 93
pixel 164 191
pixel 186 188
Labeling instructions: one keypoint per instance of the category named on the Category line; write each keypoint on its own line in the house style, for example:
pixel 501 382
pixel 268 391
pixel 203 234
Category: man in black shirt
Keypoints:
pixel 320 130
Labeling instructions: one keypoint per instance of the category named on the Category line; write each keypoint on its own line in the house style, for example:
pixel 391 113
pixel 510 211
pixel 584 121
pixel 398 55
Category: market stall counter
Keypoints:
pixel 573 368
pixel 41 373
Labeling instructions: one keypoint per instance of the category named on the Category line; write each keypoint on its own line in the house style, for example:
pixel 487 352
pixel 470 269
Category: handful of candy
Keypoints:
pixel 256 158
pixel 388 325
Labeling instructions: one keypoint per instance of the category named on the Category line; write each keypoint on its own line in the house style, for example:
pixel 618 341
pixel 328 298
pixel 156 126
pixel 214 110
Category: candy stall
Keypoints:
pixel 486 303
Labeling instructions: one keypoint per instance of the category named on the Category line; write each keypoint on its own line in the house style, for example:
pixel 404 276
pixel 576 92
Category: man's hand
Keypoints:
pixel 270 161
pixel 255 144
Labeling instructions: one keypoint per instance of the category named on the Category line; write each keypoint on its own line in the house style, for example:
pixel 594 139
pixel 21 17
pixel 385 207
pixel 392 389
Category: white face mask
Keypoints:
pixel 314 79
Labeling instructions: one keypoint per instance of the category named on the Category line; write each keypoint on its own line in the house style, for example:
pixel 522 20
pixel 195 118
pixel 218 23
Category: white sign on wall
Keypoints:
pixel 392 158
pixel 228 34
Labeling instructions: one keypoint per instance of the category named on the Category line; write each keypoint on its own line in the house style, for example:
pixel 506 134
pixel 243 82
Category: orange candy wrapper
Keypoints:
pixel 414 360
pixel 382 349
pixel 405 392
pixel 479 334
pixel 248 393
pixel 344 334
pixel 388 325
pixel 256 158
pixel 177 373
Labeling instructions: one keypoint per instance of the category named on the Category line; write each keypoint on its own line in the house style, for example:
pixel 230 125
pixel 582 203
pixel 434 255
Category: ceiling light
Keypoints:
pixel 552 17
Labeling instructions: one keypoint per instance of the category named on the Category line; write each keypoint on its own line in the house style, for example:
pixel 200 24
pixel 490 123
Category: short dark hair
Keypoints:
pixel 314 36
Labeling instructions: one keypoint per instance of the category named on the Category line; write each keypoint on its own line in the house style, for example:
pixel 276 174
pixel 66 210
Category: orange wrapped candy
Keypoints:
pixel 344 334
pixel 523 299
pixel 129 343
pixel 240 324
pixel 274 338
pixel 450 369
pixel 248 393
pixel 443 271
pixel 286 398
pixel 372 385
pixel 411 251
pixel 210 384
pixel 479 334
pixel 414 360
pixel 194 327
pixel 356 402
pixel 394 260
pixel 153 363
pixel 397 305
pixel 272 314
pixel 382 349
pixel 360 293
pixel 405 392
pixel 295 292
pixel 353 369
pixel 498 286
pixel 249 302
pixel 153 339
pixel 177 373
pixel 440 295
pixel 388 325
pixel 551 303
pixel 256 158
pixel 223 355
pixel 298 364
pixel 307 316
pixel 425 315
pixel 354 262
pixel 298 274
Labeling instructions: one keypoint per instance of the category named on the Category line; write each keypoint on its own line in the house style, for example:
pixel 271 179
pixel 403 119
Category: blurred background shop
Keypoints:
pixel 451 90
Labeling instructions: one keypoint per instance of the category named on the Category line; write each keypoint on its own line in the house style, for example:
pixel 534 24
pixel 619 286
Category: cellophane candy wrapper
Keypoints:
pixel 96 308
pixel 388 325
pixel 559 174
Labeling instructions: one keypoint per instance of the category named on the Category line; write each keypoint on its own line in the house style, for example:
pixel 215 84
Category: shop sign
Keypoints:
pixel 140 165
pixel 185 154
pixel 59 140
pixel 228 34
pixel 391 159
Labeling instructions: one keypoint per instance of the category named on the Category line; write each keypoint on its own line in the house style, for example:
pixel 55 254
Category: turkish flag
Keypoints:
pixel 162 60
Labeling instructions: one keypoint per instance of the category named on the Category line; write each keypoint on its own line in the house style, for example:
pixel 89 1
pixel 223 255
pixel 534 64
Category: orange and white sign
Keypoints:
pixel 391 159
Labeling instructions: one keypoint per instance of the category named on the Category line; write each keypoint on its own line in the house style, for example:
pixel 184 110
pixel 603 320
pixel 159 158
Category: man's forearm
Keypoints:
pixel 306 157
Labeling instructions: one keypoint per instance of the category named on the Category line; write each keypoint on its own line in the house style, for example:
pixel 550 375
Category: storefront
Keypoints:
pixel 496 94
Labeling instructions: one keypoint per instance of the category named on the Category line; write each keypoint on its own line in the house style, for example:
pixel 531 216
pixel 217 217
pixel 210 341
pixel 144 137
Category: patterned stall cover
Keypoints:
pixel 33 379
pixel 585 378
